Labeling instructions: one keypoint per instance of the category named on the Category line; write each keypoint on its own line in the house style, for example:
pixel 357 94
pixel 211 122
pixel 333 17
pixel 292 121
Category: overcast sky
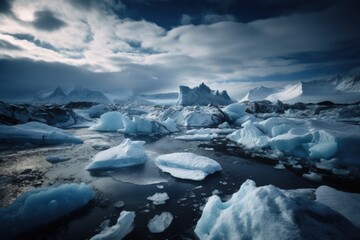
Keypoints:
pixel 157 45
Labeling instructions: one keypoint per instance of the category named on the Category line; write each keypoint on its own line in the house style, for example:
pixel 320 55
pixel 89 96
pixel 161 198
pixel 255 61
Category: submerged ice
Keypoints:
pixel 42 206
pixel 160 222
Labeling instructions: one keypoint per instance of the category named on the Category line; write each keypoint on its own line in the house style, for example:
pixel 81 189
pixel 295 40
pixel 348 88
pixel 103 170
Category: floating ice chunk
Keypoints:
pixel 340 172
pixel 123 226
pixel 109 122
pixel 270 213
pixel 99 144
pixel 289 141
pixel 127 153
pixel 325 145
pixel 210 131
pixel 42 206
pixel 119 204
pixel 197 137
pixel 57 158
pixel 312 177
pixel 347 204
pixel 235 111
pixel 187 165
pixel 249 136
pixel 158 198
pixel 36 133
pixel 160 222
pixel 170 125
pixel 224 125
pixel 279 166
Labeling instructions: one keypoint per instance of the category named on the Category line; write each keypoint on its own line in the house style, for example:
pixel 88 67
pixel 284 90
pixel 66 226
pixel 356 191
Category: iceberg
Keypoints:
pixel 109 122
pixel 187 165
pixel 41 206
pixel 268 212
pixel 36 133
pixel 234 111
pixel 123 226
pixel 202 96
pixel 128 153
pixel 140 125
pixel 160 222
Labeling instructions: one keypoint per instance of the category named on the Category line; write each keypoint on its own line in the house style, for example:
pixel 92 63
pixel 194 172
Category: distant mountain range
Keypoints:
pixel 58 96
pixel 337 89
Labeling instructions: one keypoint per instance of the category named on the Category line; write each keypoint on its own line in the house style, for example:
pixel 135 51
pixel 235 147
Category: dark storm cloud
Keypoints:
pixel 5 6
pixel 45 20
pixel 9 46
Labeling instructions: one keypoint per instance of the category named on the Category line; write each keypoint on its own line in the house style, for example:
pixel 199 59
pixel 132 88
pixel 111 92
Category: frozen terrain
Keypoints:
pixel 337 89
pixel 179 168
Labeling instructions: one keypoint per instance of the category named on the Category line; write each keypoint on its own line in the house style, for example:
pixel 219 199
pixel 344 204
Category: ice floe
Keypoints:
pixel 270 213
pixel 36 133
pixel 127 153
pixel 187 165
pixel 123 226
pixel 41 206
pixel 160 222
pixel 158 198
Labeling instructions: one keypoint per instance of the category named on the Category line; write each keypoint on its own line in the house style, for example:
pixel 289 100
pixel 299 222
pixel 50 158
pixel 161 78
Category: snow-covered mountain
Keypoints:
pixel 80 94
pixel 337 89
pixel 58 96
pixel 202 95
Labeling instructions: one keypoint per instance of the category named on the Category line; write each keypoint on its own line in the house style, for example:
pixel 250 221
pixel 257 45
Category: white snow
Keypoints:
pixel 270 213
pixel 123 226
pixel 57 158
pixel 197 137
pixel 37 133
pixel 110 122
pixel 187 165
pixel 347 204
pixel 337 89
pixel 41 206
pixel 127 153
pixel 160 222
pixel 158 198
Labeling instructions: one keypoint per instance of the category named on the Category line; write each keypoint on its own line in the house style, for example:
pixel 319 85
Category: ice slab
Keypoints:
pixel 197 137
pixel 160 222
pixel 187 165
pixel 37 133
pixel 42 206
pixel 57 158
pixel 270 213
pixel 128 153
pixel 123 226
pixel 109 122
